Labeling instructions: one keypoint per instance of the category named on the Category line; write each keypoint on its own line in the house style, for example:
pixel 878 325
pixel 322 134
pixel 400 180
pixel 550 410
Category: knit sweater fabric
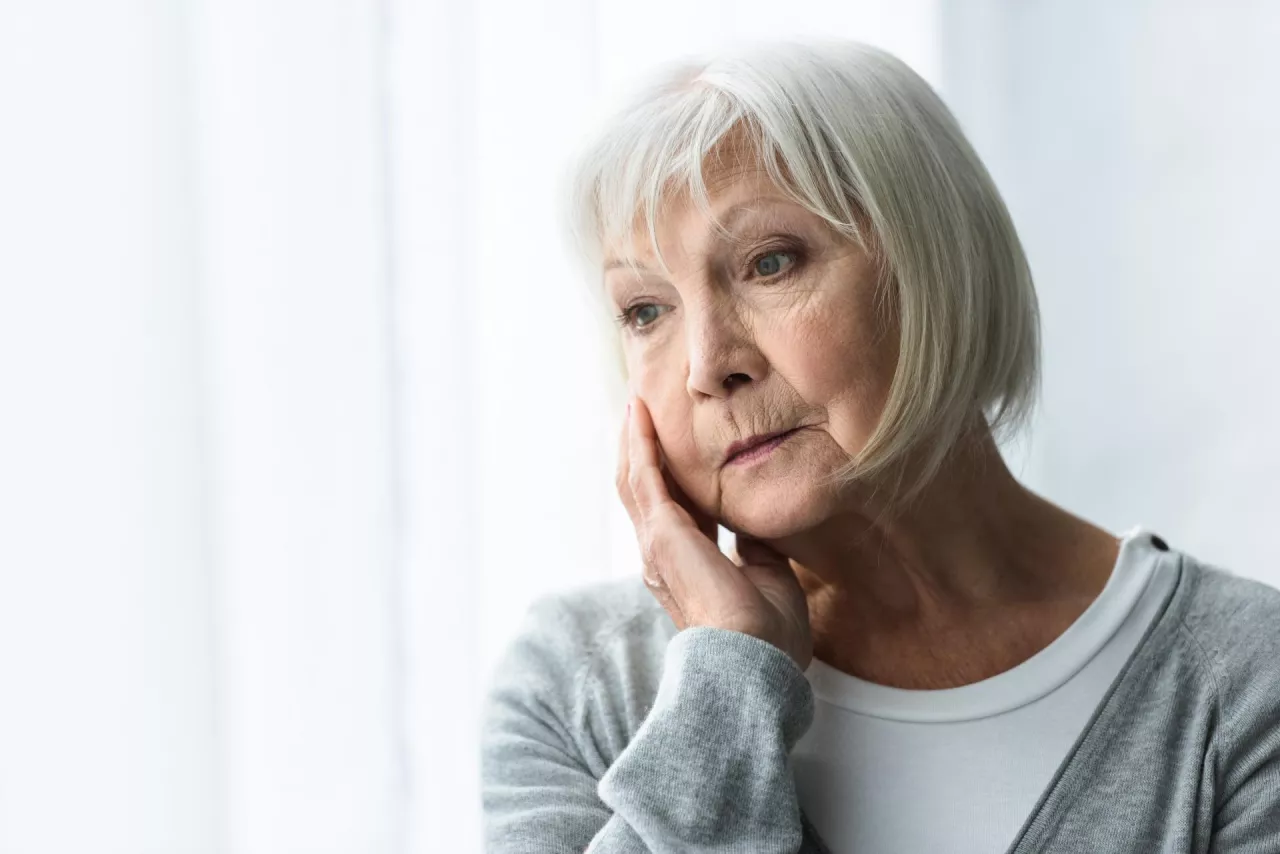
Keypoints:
pixel 606 730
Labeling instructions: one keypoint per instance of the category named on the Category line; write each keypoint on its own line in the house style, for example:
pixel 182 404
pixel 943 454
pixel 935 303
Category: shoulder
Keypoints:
pixel 600 643
pixel 1234 622
pixel 572 629
pixel 1234 619
pixel 580 672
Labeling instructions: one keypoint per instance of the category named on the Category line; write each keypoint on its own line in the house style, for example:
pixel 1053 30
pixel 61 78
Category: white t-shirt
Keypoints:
pixel 886 770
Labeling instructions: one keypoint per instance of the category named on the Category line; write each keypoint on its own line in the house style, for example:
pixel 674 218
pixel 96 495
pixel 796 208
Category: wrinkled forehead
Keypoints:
pixel 735 184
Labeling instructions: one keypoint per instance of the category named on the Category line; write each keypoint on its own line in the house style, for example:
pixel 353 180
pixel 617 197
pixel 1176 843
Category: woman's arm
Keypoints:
pixel 1247 745
pixel 1247 817
pixel 707 770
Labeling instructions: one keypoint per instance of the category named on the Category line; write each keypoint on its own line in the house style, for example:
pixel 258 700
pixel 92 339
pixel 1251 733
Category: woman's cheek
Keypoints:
pixel 651 356
pixel 652 370
pixel 670 408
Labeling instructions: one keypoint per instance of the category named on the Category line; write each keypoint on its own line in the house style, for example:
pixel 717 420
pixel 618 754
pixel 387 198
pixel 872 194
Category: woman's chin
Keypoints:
pixel 771 513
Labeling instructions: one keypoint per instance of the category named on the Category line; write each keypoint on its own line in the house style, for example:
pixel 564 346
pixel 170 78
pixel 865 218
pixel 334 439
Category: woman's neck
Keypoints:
pixel 973 578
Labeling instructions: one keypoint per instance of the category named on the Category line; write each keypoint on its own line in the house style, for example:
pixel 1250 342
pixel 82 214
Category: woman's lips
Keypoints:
pixel 760 451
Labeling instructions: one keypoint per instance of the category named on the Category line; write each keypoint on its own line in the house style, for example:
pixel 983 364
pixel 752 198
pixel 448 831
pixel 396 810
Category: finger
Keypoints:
pixel 647 487
pixel 749 550
pixel 668 602
pixel 691 566
pixel 652 577
pixel 690 563
pixel 704 522
pixel 622 478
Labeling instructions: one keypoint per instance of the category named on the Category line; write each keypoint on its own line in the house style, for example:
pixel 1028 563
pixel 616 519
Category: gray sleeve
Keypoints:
pixel 1248 812
pixel 1247 815
pixel 538 790
pixel 707 770
pixel 1235 624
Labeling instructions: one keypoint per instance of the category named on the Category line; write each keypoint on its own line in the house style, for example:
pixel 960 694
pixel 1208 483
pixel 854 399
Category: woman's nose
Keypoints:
pixel 723 355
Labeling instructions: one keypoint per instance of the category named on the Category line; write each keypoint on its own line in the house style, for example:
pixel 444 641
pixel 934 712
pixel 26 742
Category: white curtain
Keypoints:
pixel 301 402
pixel 201 633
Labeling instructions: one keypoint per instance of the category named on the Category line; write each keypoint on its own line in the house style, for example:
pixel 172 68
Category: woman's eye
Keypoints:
pixel 639 316
pixel 639 312
pixel 767 265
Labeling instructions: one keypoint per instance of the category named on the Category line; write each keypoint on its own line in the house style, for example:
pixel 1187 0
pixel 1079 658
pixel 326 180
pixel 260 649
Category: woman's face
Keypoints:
pixel 771 329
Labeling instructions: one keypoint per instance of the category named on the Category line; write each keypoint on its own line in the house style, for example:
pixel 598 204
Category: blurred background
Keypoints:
pixel 301 403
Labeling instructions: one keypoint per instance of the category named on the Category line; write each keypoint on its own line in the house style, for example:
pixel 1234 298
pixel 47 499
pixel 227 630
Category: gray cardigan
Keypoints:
pixel 608 731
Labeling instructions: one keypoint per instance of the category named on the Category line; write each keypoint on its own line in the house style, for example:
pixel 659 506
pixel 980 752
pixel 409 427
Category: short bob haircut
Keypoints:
pixel 851 133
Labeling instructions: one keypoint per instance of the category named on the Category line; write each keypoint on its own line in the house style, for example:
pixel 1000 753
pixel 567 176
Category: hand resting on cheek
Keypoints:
pixel 758 594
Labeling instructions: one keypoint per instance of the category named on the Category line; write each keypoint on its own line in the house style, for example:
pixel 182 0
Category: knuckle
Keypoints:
pixel 648 552
pixel 656 548
pixel 651 551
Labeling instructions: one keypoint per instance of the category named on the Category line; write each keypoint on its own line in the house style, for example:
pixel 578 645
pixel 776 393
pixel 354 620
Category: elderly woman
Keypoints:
pixel 827 322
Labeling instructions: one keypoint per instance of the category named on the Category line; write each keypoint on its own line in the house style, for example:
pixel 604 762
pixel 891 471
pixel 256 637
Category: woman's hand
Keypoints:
pixel 756 593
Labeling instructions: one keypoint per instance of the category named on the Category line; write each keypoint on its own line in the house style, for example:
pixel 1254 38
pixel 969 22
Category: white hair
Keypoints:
pixel 855 136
